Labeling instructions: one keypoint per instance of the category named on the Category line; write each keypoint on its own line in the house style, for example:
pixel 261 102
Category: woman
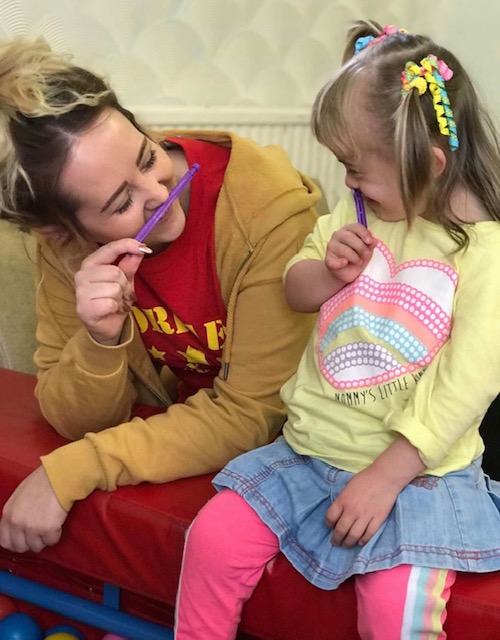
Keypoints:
pixel 194 322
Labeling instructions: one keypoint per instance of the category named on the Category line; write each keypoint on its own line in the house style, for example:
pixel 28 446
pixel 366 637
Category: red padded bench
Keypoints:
pixel 133 539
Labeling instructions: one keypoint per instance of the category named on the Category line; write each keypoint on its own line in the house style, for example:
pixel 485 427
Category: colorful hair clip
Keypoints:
pixel 431 74
pixel 368 41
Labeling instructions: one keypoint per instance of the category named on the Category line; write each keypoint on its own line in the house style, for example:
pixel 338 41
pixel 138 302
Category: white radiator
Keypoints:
pixel 289 128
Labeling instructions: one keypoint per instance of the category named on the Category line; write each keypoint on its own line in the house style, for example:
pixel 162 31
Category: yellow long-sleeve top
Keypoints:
pixel 86 391
pixel 411 347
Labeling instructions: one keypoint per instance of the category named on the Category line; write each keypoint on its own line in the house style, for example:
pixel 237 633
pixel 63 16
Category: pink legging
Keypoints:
pixel 227 549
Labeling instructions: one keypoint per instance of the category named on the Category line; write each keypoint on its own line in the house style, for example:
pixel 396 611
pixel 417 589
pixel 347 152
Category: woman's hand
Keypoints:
pixel 32 517
pixel 104 288
pixel 349 251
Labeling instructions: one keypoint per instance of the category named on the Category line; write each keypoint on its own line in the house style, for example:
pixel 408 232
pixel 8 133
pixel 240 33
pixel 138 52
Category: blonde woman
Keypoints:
pixel 192 323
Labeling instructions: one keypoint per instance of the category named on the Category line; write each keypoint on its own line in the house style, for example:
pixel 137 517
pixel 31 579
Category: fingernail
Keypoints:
pixel 145 249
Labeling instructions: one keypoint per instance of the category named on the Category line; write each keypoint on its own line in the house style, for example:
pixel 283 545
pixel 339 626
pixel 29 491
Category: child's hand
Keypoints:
pixel 359 510
pixel 349 251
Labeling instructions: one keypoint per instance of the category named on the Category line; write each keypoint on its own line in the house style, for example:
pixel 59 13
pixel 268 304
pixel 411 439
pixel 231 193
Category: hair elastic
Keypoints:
pixel 432 73
pixel 368 41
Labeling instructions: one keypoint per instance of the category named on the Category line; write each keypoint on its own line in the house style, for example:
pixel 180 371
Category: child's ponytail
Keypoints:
pixel 360 31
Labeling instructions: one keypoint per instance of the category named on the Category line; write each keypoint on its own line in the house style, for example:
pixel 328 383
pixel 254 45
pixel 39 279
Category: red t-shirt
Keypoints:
pixel 179 308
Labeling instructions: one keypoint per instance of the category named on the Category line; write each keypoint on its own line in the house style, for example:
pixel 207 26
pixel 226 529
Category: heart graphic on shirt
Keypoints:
pixel 390 321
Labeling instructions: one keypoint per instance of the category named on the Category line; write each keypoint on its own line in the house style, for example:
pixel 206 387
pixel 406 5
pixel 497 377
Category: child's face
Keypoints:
pixel 120 177
pixel 375 176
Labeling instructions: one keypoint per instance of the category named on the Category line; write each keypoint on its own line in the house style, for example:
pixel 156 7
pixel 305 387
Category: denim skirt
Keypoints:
pixel 450 522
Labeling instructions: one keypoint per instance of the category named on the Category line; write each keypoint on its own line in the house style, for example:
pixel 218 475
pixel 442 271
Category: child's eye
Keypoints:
pixel 151 160
pixel 349 168
pixel 352 171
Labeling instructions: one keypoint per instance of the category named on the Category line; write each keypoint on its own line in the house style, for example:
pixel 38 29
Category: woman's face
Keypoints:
pixel 120 177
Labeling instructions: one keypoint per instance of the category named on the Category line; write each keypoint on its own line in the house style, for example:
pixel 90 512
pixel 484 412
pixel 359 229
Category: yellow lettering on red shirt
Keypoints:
pixel 216 334
pixel 141 319
pixel 157 319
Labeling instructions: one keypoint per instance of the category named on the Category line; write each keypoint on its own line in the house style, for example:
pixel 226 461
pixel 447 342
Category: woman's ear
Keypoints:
pixel 439 161
pixel 53 232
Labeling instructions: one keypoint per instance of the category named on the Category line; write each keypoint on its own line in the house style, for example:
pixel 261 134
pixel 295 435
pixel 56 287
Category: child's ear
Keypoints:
pixel 439 161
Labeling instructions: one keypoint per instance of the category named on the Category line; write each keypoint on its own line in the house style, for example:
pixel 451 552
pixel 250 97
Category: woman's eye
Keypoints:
pixel 151 160
pixel 126 205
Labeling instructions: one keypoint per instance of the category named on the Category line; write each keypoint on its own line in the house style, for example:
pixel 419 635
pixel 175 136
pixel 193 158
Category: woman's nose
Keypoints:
pixel 156 194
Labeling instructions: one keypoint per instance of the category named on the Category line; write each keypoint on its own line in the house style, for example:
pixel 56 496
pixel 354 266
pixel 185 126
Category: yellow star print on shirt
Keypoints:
pixel 194 358
pixel 158 355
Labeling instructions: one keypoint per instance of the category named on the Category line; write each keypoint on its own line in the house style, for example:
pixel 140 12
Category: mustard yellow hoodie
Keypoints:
pixel 86 390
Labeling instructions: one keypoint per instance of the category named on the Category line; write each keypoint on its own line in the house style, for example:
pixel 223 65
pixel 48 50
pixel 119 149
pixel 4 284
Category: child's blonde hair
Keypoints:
pixel 45 103
pixel 405 126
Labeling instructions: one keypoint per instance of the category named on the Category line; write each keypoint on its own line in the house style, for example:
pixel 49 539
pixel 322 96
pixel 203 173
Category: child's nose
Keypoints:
pixel 351 182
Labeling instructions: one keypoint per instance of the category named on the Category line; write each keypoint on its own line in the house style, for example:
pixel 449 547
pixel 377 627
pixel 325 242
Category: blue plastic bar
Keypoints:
pixel 111 595
pixel 81 610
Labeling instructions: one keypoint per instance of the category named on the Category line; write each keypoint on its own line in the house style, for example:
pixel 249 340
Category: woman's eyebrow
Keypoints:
pixel 114 196
pixel 124 184
pixel 141 151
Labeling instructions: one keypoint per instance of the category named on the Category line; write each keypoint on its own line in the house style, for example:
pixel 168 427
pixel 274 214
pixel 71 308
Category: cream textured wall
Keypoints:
pixel 254 65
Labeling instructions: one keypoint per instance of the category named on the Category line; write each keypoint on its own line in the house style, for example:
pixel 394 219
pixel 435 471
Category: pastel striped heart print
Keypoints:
pixel 389 322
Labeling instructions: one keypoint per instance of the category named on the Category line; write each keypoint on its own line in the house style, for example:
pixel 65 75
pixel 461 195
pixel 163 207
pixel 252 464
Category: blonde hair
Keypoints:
pixel 406 127
pixel 45 103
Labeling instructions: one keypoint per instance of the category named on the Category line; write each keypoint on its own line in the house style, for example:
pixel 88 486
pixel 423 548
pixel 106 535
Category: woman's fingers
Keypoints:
pixel 111 253
pixel 105 288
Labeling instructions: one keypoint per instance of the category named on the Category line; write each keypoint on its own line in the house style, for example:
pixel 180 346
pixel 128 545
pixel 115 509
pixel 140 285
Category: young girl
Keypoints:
pixel 378 473
pixel 198 316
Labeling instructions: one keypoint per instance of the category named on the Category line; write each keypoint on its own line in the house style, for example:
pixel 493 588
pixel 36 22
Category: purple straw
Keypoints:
pixel 360 207
pixel 163 208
